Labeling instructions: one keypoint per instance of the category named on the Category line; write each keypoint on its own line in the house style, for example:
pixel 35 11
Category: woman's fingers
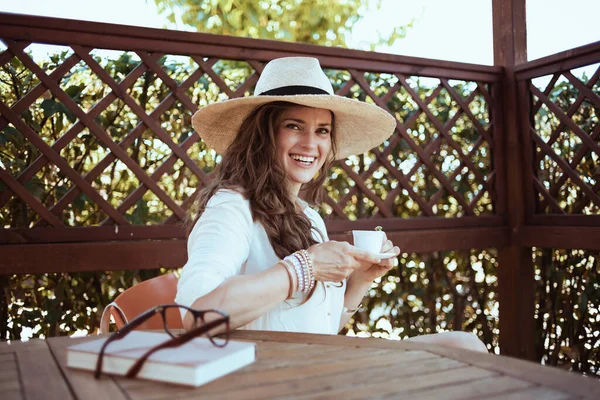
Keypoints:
pixel 387 246
pixel 364 256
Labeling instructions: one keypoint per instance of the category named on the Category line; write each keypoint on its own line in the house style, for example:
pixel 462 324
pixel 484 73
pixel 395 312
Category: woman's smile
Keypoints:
pixel 303 143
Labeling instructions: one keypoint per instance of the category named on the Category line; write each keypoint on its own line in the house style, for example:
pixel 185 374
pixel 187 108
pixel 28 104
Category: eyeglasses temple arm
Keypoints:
pixel 120 334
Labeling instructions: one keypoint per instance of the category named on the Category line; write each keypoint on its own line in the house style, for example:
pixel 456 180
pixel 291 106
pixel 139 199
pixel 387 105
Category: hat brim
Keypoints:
pixel 359 126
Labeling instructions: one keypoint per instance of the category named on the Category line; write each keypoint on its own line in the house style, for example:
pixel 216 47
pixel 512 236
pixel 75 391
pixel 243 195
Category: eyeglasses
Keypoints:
pixel 205 322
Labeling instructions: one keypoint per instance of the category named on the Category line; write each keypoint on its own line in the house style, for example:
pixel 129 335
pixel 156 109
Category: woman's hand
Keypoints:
pixel 335 261
pixel 373 271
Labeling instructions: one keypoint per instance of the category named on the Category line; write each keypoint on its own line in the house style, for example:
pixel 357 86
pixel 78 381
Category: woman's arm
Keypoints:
pixel 245 297
pixel 361 279
pixel 355 292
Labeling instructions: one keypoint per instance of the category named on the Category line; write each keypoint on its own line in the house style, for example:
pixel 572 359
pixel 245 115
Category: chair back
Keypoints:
pixel 139 298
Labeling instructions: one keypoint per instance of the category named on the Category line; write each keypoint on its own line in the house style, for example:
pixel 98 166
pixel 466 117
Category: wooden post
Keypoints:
pixel 515 268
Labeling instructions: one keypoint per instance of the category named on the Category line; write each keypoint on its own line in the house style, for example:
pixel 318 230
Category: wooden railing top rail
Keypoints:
pixel 565 60
pixel 102 35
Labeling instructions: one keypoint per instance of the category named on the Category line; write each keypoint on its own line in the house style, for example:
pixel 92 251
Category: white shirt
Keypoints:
pixel 226 242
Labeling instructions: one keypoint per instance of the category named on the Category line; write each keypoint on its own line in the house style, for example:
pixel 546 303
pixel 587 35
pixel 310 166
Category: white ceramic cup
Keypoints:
pixel 370 241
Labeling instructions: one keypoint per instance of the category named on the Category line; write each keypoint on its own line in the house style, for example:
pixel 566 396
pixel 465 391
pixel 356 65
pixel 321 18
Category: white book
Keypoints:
pixel 193 363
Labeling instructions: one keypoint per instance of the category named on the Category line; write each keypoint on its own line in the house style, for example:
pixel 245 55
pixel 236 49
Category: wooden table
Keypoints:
pixel 302 366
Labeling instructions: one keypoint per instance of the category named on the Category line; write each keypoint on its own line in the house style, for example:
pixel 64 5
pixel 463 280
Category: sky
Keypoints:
pixel 465 25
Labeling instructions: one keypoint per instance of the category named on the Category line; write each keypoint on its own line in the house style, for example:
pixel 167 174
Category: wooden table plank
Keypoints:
pixel 324 384
pixel 402 387
pixel 38 372
pixel 472 389
pixel 538 375
pixel 534 393
pixel 261 374
pixel 83 384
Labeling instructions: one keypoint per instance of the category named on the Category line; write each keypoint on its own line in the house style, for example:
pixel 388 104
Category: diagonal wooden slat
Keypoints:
pixel 436 197
pixel 335 206
pixel 7 55
pixel 434 145
pixel 584 201
pixel 547 196
pixel 403 179
pixel 26 101
pixel 167 80
pixel 465 107
pixel 393 142
pixel 30 200
pixel 483 89
pixel 573 163
pixel 570 111
pixel 252 79
pixel 139 111
pixel 69 172
pixel 445 130
pixel 536 107
pixel 365 190
pixel 345 90
pixel 96 110
pixel 404 182
pixel 101 134
pixel 585 138
pixel 65 139
pixel 567 169
pixel 431 147
pixel 215 77
pixel 172 159
pixel 424 158
pixel 187 203
pixel 584 89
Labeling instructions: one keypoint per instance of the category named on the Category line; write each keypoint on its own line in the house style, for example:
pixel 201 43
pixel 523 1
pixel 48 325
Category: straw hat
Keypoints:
pixel 359 126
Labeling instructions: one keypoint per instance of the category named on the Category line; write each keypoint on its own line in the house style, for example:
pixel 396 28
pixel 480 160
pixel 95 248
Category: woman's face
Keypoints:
pixel 303 140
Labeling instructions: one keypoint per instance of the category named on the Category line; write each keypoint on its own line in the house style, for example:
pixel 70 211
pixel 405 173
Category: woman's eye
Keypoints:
pixel 324 131
pixel 292 126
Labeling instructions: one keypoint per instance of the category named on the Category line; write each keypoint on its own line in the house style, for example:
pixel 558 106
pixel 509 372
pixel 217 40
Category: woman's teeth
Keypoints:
pixel 303 159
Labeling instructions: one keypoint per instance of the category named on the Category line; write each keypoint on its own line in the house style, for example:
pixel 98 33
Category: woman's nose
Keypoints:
pixel 309 140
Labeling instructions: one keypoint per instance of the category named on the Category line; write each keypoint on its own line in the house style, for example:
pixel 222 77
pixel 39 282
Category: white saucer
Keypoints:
pixel 383 256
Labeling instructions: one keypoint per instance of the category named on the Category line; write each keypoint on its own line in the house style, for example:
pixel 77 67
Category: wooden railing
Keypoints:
pixel 437 124
pixel 562 149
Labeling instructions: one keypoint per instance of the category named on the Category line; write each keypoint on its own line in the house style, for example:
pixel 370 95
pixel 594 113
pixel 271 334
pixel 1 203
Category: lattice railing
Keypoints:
pixel 105 140
pixel 566 135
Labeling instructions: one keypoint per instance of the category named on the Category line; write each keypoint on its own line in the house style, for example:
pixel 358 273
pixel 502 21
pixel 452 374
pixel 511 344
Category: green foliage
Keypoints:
pixel 568 309
pixel 313 21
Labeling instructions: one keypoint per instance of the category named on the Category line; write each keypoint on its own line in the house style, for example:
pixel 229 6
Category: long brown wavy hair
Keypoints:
pixel 250 166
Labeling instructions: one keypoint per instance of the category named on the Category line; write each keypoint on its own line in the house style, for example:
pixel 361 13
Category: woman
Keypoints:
pixel 256 250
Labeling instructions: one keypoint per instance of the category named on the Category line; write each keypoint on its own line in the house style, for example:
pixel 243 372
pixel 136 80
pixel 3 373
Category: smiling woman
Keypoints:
pixel 256 250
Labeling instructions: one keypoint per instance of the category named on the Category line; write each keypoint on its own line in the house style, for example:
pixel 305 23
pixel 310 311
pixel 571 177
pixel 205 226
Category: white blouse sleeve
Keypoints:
pixel 217 247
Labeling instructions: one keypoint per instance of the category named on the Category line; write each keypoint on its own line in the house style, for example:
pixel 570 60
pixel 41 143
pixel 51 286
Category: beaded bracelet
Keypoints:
pixel 300 258
pixel 298 270
pixel 302 264
pixel 311 273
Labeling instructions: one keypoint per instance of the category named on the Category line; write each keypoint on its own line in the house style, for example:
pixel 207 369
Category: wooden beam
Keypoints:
pixel 128 255
pixel 565 60
pixel 80 257
pixel 123 37
pixel 515 267
pixel 561 237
